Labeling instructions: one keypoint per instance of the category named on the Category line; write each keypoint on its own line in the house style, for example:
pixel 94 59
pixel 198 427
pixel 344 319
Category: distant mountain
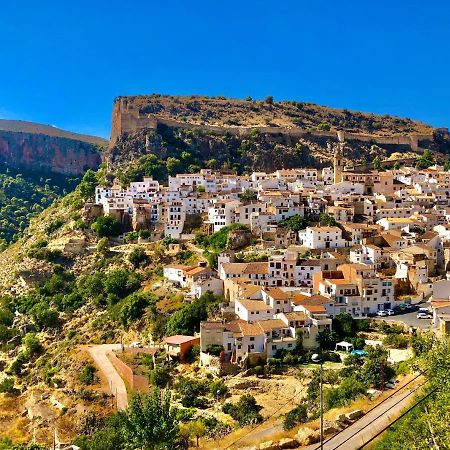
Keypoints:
pixel 23 126
pixel 45 149
pixel 38 164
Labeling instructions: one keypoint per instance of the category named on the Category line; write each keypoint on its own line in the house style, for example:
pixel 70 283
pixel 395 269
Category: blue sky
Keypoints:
pixel 62 63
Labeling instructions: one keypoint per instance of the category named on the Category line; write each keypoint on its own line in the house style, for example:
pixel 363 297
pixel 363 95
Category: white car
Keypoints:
pixel 136 345
pixel 423 315
pixel 382 313
pixel 390 312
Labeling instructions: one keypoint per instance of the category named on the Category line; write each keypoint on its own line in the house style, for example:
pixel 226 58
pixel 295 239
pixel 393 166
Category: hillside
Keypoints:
pixel 38 164
pixel 254 135
pixel 22 126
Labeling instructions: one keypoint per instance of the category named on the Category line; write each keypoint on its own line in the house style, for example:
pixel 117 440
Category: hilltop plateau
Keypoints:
pixel 246 135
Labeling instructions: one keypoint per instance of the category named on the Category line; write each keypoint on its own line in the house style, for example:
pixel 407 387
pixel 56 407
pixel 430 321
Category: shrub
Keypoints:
pixel 106 226
pixel 348 390
pixel 214 349
pixel 160 376
pixel 7 386
pixel 218 388
pixel 138 257
pixel 53 226
pixel 395 341
pixel 87 375
pixel 245 411
pixel 295 416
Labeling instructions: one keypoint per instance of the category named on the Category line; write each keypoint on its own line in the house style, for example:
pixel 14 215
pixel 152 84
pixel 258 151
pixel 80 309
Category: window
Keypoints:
pixel 252 339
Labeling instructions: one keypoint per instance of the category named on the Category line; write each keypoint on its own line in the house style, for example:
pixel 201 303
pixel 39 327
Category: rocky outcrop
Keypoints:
pixel 247 135
pixel 44 153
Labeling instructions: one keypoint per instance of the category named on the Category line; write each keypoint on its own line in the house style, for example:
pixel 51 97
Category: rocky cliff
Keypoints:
pixel 255 135
pixel 41 148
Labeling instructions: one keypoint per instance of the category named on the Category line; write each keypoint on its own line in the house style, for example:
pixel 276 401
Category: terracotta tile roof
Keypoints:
pixel 296 315
pixel 212 325
pixel 315 308
pixel 276 293
pixel 271 324
pixel 179 339
pixel 254 305
pixel 250 329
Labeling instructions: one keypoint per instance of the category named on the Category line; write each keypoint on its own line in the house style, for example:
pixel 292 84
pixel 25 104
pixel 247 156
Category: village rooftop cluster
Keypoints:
pixel 388 241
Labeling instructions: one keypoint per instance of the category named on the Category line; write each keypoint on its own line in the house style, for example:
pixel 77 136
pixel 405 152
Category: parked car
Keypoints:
pixel 382 313
pixel 136 345
pixel 390 312
pixel 423 315
pixel 391 384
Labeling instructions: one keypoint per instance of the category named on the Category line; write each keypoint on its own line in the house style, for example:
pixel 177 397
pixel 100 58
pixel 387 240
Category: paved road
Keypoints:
pixel 116 385
pixel 409 318
pixel 371 424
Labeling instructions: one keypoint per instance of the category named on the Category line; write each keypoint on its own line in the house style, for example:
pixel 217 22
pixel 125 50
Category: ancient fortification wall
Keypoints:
pixel 126 119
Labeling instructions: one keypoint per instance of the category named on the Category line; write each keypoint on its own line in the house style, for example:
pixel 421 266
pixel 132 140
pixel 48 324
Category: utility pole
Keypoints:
pixel 317 359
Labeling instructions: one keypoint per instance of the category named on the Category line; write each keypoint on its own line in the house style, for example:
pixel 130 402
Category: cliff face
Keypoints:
pixel 255 135
pixel 44 153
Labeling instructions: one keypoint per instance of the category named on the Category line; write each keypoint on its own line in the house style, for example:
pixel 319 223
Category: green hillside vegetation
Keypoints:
pixel 24 195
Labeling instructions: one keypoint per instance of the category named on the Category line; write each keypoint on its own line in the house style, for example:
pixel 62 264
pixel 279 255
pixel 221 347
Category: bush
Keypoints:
pixel 138 257
pixel 245 411
pixel 160 376
pixel 295 416
pixel 87 375
pixel 53 226
pixel 7 386
pixel 348 391
pixel 218 388
pixel 214 349
pixel 395 341
pixel 106 226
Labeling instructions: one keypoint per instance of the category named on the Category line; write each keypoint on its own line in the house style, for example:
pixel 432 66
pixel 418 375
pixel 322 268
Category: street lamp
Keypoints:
pixel 318 360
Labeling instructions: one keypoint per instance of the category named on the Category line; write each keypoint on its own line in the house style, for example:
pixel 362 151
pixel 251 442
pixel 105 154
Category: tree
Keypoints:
pixel 269 100
pixel 327 339
pixel 7 386
pixel 106 226
pixel 376 367
pixel 344 325
pixel 323 127
pixel 249 195
pixel 31 345
pixel 187 319
pixel 397 165
pixel 103 246
pixel 88 184
pixel 376 163
pixel 245 411
pixel 173 165
pixel 447 166
pixel 133 308
pixel 87 375
pixel 298 340
pixel 327 220
pixel 194 429
pixel 295 416
pixel 138 257
pixel 295 223
pixel 149 423
pixel 426 160
pixel 160 376
pixel 121 282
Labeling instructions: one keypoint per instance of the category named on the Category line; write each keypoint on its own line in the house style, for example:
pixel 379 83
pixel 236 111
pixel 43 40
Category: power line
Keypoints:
pixel 259 425
pixel 375 406
pixel 398 418
pixel 376 418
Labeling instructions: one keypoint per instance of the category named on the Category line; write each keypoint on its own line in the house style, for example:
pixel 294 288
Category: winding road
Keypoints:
pixel 117 387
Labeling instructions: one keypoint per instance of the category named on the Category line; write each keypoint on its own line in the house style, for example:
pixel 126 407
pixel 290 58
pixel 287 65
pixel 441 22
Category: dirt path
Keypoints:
pixel 117 387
